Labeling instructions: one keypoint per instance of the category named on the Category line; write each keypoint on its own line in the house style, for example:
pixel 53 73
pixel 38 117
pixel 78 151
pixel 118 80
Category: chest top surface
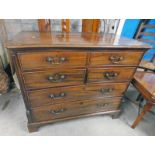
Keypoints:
pixel 89 40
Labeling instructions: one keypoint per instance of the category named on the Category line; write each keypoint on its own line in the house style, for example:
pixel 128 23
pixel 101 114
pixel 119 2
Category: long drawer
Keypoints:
pixel 77 108
pixel 115 57
pixel 116 74
pixel 53 78
pixel 51 59
pixel 62 95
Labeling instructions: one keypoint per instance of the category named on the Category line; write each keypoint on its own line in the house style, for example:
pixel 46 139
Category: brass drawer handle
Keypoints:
pixel 57 96
pixel 59 111
pixel 57 78
pixel 110 75
pixel 106 90
pixel 102 105
pixel 116 59
pixel 49 59
pixel 56 60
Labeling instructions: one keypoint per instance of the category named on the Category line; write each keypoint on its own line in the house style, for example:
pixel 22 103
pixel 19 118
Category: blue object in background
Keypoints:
pixel 129 29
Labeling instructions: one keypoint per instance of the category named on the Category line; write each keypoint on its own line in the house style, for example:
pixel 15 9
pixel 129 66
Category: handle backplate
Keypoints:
pixel 115 59
pixel 57 96
pixel 106 90
pixel 57 77
pixel 110 75
pixel 59 111
pixel 102 105
pixel 56 60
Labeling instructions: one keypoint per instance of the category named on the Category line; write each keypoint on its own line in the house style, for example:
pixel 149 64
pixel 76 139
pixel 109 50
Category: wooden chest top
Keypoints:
pixel 79 40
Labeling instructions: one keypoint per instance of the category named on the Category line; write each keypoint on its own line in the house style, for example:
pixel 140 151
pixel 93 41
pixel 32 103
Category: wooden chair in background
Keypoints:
pixel 144 81
pixel 44 25
pixel 91 25
pixel 88 25
pixel 146 64
pixel 65 23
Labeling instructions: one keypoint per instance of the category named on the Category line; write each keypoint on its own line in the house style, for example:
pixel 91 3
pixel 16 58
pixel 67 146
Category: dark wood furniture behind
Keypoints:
pixel 144 80
pixel 145 84
pixel 71 75
pixel 143 33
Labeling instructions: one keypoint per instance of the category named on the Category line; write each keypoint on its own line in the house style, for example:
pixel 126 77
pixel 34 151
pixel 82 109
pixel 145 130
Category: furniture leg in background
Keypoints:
pixel 147 107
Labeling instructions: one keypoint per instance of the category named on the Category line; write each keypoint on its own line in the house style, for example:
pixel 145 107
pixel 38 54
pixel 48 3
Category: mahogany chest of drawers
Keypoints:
pixel 64 76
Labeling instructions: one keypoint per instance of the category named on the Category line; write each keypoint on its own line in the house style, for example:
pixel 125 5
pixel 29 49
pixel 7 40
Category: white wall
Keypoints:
pixel 120 27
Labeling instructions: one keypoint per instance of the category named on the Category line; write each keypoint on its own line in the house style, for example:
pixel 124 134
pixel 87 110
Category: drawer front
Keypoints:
pixel 110 74
pixel 42 59
pixel 82 107
pixel 63 95
pixel 115 58
pixel 52 78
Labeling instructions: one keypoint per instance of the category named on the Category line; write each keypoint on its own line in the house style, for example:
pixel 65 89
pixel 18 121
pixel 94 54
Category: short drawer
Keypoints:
pixel 53 78
pixel 110 74
pixel 78 108
pixel 51 59
pixel 63 95
pixel 124 57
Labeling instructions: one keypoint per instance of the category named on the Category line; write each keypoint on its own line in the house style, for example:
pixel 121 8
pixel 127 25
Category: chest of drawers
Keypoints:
pixel 65 76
